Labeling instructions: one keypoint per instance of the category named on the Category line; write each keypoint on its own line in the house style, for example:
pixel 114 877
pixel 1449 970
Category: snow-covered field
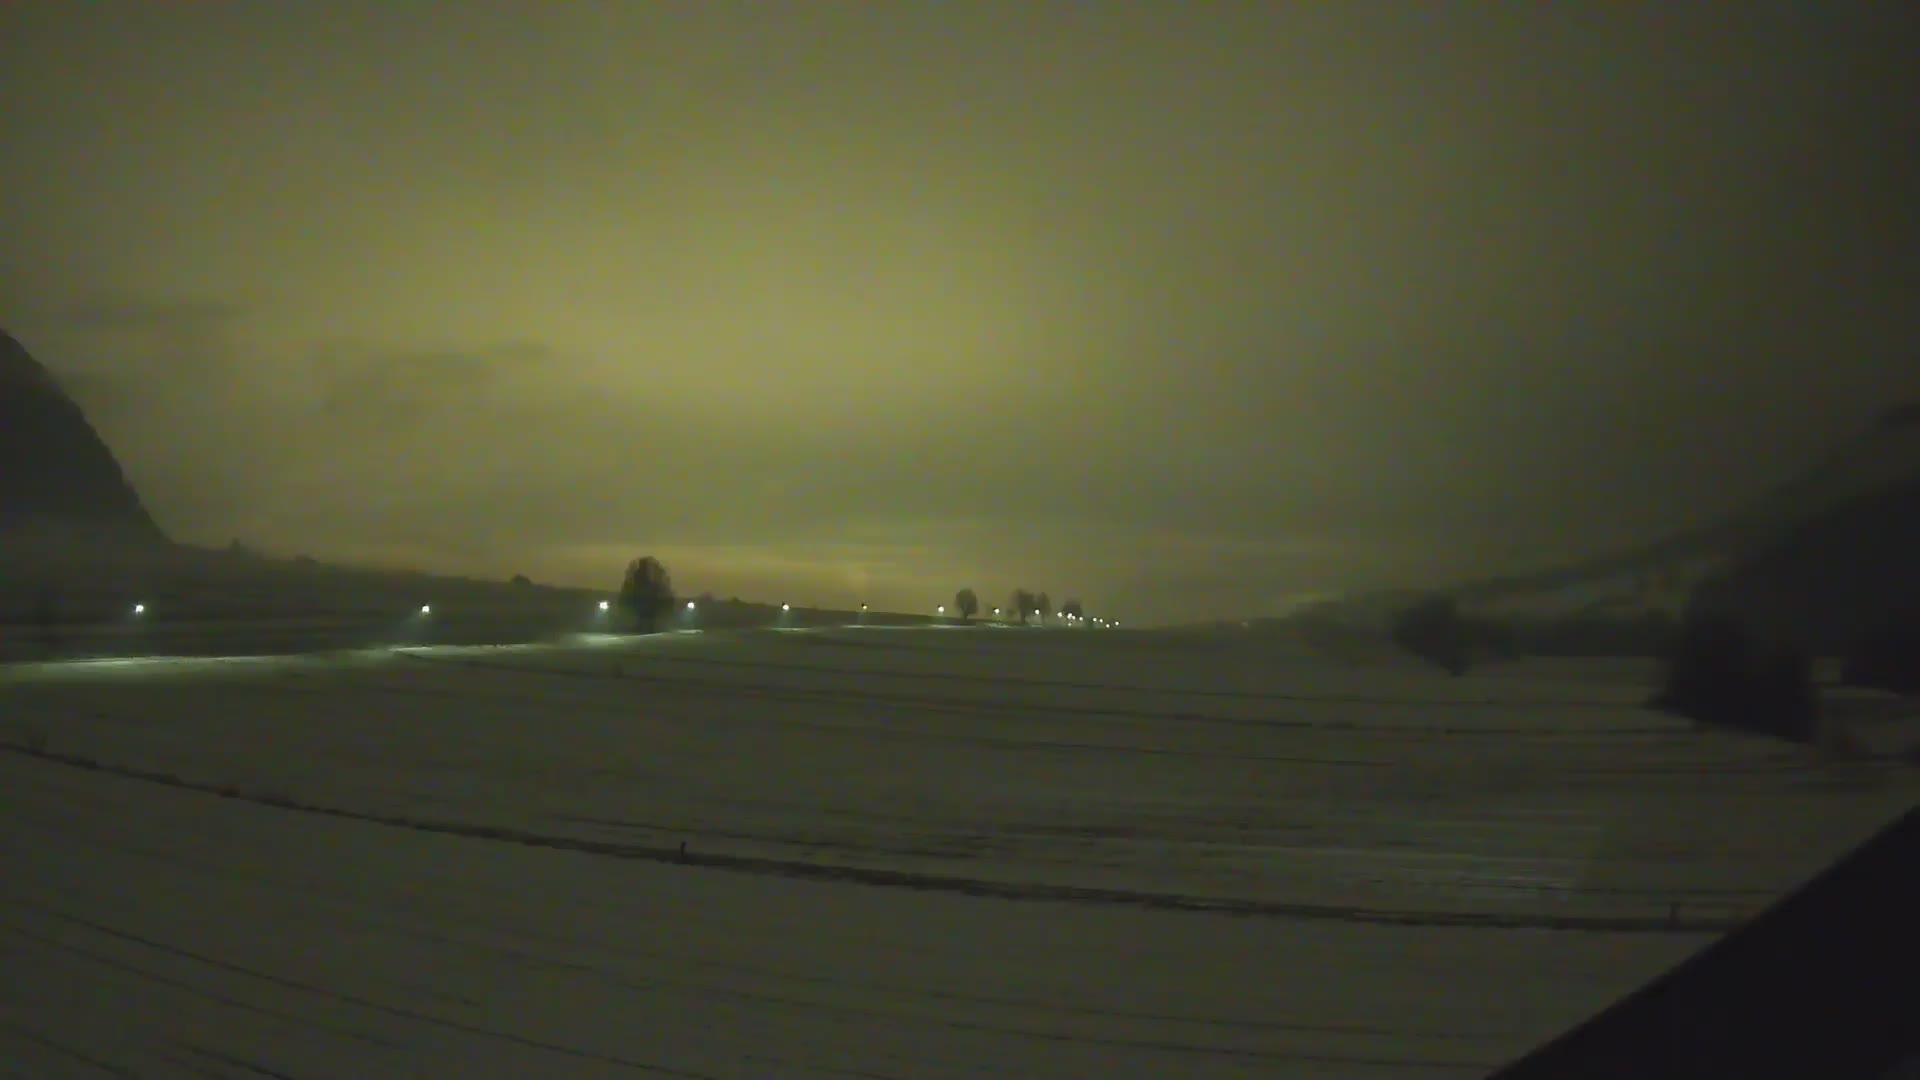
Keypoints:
pixel 911 852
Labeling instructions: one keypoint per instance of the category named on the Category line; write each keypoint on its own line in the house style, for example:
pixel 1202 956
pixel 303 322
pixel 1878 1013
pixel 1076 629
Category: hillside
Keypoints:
pixel 1883 457
pixel 55 471
pixel 1832 577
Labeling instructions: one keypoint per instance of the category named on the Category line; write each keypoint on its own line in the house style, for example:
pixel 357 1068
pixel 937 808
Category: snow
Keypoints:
pixel 913 852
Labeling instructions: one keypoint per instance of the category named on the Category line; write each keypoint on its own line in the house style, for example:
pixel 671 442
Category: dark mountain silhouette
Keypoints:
pixel 56 474
pixel 1883 458
pixel 1832 577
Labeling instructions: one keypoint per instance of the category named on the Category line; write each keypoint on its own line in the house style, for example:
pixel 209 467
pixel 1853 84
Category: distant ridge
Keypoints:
pixel 56 473
pixel 1832 577
pixel 1883 457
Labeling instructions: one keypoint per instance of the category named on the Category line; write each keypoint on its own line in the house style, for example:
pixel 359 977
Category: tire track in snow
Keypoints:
pixel 1022 1005
pixel 1138 691
pixel 344 997
pixel 1269 1057
pixel 253 1067
pixel 932 882
pixel 778 692
pixel 883 731
pixel 62 1050
pixel 146 975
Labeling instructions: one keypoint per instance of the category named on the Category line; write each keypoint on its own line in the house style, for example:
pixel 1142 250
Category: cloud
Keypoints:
pixel 129 312
pixel 360 386
pixel 1229 305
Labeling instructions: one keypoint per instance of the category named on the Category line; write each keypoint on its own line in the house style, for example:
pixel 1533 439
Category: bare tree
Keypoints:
pixel 966 603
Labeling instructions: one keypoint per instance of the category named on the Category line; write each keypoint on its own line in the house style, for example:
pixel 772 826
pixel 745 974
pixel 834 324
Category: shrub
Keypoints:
pixel 1501 640
pixel 1718 673
pixel 1886 657
pixel 1432 629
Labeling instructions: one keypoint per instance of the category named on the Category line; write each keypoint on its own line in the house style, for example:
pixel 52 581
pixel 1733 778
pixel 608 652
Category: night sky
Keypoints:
pixel 1185 309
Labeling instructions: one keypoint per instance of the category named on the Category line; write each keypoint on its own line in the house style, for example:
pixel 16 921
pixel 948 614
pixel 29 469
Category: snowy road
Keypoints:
pixel 465 862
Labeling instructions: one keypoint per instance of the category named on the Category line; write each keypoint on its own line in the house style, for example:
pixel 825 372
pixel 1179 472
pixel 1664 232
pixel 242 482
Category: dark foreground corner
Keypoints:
pixel 1821 985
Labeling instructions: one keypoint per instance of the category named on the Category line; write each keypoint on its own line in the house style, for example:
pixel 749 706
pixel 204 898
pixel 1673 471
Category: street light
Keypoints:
pixel 426 609
pixel 139 609
pixel 604 605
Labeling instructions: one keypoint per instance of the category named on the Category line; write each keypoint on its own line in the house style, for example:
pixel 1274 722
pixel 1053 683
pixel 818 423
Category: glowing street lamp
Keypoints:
pixel 689 605
pixel 139 609
pixel 942 609
pixel 426 609
pixel 786 607
pixel 604 605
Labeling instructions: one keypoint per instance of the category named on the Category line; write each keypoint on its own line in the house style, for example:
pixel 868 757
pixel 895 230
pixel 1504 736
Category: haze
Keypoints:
pixel 1188 310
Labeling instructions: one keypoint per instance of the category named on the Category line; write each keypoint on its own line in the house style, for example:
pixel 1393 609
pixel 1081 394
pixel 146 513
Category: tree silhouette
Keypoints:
pixel 1023 604
pixel 1887 656
pixel 966 603
pixel 1721 673
pixel 647 592
pixel 1433 629
pixel 1073 608
pixel 1901 416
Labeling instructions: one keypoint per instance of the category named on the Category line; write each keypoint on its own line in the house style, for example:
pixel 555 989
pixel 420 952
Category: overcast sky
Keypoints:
pixel 1183 308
